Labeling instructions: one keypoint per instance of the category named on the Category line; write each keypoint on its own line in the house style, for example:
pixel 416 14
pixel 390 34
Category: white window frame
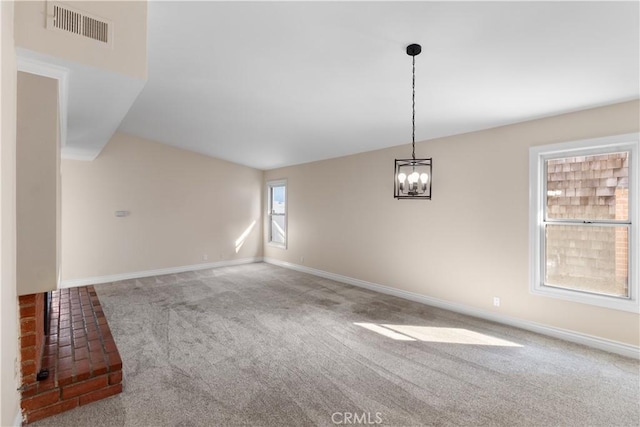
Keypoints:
pixel 537 202
pixel 269 213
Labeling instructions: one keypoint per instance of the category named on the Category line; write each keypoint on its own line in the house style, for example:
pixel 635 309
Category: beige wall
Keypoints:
pixel 128 55
pixel 9 396
pixel 182 205
pixel 468 244
pixel 37 182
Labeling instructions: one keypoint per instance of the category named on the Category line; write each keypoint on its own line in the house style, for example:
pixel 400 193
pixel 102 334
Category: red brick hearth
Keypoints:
pixel 79 352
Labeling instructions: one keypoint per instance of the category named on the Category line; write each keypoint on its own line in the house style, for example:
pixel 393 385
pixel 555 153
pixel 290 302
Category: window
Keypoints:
pixel 583 221
pixel 277 213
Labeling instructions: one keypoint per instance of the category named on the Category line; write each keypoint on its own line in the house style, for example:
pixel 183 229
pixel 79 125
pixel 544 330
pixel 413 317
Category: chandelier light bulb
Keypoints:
pixel 413 177
pixel 424 178
pixel 402 177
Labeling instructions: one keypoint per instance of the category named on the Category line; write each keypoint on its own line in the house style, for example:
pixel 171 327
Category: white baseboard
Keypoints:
pixel 139 274
pixel 17 422
pixel 567 335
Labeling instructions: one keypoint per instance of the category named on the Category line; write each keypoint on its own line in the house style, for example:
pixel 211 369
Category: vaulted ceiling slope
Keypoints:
pixel 269 84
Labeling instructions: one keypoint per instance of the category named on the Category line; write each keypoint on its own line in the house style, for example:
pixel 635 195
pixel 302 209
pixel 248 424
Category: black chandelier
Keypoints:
pixel 412 177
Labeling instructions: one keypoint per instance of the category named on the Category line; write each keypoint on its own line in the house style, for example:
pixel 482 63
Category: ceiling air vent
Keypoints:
pixel 61 17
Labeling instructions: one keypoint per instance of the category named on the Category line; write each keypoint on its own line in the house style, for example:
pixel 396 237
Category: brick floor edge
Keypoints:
pixel 80 353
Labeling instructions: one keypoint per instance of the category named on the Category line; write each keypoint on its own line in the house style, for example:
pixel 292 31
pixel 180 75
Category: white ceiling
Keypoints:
pixel 270 84
pixel 92 101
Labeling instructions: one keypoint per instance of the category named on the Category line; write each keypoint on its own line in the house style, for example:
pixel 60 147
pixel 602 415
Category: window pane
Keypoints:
pixel 588 258
pixel 277 229
pixel 277 200
pixel 588 187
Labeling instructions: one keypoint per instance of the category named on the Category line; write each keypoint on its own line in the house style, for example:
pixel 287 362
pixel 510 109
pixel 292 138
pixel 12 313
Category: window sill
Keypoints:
pixel 277 245
pixel 613 303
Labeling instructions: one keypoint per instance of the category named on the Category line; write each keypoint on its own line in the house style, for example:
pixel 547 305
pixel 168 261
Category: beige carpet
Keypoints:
pixel 265 346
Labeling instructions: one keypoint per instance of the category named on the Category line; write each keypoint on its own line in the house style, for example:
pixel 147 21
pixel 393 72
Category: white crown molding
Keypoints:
pixel 564 334
pixel 148 273
pixel 41 68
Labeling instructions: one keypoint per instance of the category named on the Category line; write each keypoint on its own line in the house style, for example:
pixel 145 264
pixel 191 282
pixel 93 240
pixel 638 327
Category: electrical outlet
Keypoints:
pixel 205 257
pixel 301 260
pixel 496 301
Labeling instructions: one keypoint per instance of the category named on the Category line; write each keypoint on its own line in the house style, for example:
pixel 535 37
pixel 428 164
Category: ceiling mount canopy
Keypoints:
pixel 412 177
pixel 413 50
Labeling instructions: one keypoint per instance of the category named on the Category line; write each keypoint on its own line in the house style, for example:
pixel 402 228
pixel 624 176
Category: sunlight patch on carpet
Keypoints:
pixel 436 334
pixel 386 332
